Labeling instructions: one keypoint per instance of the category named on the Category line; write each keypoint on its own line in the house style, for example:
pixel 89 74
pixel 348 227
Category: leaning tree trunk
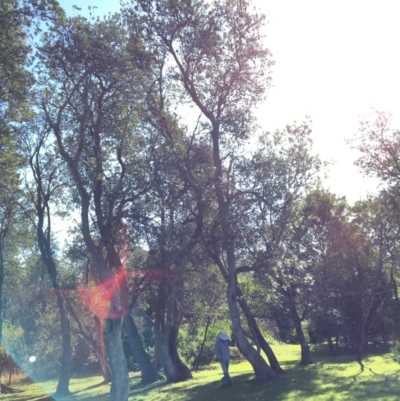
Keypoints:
pixel 258 337
pixel 149 373
pixel 262 371
pixel 116 358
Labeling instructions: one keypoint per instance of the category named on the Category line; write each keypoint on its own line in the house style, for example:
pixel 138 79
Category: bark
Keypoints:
pixel 262 370
pixel 149 373
pixel 183 370
pixel 305 349
pixel 105 370
pixel 166 326
pixel 116 358
pixel 258 337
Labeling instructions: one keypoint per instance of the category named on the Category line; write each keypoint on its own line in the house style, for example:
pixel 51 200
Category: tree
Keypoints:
pixel 352 280
pixel 16 18
pixel 221 65
pixel 45 169
pixel 88 71
pixel 273 183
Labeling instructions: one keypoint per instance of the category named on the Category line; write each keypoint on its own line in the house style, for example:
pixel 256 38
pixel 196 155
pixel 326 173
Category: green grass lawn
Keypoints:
pixel 329 378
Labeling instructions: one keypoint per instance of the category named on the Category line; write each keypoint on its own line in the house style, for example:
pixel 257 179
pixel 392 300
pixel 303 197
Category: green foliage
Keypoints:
pixel 190 341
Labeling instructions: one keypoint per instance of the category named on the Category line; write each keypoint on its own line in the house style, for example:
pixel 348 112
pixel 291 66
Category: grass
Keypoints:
pixel 328 378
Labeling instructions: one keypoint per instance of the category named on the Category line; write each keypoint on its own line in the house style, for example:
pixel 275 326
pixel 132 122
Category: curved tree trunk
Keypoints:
pixel 149 373
pixel 258 337
pixel 174 369
pixel 183 370
pixel 116 358
pixel 262 370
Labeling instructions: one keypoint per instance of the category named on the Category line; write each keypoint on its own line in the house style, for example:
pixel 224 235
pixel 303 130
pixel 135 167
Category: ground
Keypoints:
pixel 332 377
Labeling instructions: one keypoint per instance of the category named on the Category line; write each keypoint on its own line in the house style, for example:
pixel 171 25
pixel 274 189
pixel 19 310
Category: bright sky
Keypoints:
pixel 336 61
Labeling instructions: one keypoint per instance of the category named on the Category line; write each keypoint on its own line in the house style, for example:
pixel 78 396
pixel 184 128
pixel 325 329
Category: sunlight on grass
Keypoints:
pixel 329 378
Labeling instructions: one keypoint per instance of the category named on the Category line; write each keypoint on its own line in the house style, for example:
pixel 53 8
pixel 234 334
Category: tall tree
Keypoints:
pixel 276 179
pixel 46 172
pixel 223 68
pixel 91 87
pixel 16 18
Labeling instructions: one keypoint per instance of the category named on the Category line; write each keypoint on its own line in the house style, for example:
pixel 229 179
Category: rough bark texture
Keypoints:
pixel 149 373
pixel 116 358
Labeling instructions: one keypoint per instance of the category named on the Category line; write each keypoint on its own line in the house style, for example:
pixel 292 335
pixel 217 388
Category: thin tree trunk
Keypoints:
pixel 115 353
pixel 262 370
pixel 44 242
pixel 105 370
pixel 149 373
pixel 196 362
pixel 259 338
pixel 66 357
pixel 305 349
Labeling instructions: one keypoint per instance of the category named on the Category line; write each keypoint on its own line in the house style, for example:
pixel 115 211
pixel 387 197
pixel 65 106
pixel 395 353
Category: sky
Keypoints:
pixel 335 61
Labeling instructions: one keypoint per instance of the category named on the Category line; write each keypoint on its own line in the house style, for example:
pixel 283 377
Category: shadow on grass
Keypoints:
pixel 303 383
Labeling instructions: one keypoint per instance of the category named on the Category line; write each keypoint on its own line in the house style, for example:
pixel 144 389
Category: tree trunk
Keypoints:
pixel 197 360
pixel 66 357
pixel 305 349
pixel 184 371
pixel 105 370
pixel 149 373
pixel 115 353
pixel 258 337
pixel 174 369
pixel 262 370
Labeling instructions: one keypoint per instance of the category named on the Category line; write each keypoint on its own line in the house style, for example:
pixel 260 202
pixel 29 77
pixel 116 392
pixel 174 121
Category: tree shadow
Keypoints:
pixel 307 383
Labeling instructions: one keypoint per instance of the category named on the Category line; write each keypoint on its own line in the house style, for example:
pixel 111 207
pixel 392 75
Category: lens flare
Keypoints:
pixel 32 359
